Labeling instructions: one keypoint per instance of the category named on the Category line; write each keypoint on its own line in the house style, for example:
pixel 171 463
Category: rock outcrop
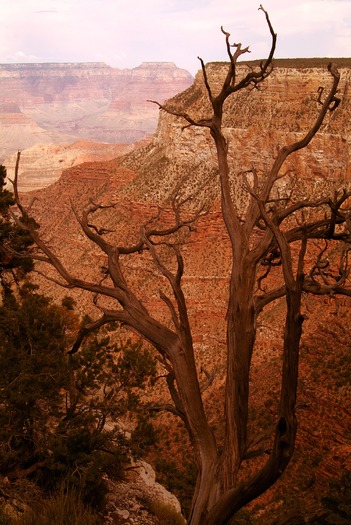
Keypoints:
pixel 42 164
pixel 134 501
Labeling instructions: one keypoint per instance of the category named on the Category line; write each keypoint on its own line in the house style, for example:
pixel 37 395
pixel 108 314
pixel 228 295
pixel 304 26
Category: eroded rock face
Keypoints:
pixel 63 102
pixel 256 124
pixel 141 185
pixel 131 501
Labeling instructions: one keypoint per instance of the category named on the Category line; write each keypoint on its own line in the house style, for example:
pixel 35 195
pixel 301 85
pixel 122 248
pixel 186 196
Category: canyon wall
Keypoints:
pixel 181 161
pixel 61 103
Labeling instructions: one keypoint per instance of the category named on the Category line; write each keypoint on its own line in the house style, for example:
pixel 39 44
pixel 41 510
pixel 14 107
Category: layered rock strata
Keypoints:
pixel 63 102
pixel 42 164
pixel 181 162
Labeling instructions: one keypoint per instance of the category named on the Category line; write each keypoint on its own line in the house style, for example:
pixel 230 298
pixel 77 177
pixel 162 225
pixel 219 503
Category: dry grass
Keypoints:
pixel 63 508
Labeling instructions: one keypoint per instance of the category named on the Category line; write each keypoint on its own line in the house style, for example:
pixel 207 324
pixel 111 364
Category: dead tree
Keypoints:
pixel 263 238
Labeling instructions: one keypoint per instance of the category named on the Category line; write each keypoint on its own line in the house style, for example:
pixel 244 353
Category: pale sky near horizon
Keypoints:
pixel 124 33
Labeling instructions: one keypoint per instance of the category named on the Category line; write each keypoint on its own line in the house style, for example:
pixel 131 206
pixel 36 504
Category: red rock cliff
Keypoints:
pixel 256 123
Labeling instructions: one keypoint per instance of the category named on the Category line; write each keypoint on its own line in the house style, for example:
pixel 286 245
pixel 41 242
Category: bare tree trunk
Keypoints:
pixel 240 495
pixel 256 235
pixel 241 332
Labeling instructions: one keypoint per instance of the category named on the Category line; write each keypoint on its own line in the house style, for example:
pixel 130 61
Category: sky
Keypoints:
pixel 125 33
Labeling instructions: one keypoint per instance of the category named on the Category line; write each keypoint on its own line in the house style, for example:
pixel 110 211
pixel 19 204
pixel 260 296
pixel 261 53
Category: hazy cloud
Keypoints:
pixel 123 33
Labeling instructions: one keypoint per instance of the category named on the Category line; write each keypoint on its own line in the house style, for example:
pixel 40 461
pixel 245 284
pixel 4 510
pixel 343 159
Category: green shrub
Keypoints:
pixel 54 405
pixel 178 480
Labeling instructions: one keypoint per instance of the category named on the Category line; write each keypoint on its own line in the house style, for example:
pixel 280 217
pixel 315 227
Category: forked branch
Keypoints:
pixel 230 85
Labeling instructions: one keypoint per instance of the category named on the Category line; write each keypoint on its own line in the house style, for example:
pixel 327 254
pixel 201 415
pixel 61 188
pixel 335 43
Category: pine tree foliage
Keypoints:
pixel 59 413
pixel 14 241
